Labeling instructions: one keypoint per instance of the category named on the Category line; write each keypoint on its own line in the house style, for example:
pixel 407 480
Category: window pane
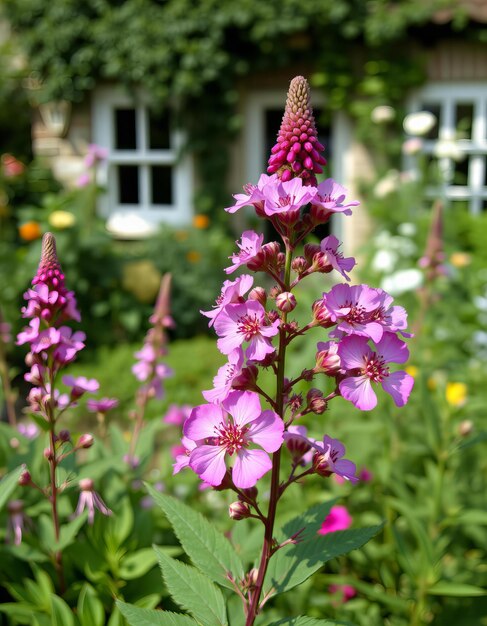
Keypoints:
pixel 464 120
pixel 125 133
pixel 161 184
pixel 128 184
pixel 159 135
pixel 436 110
pixel 460 172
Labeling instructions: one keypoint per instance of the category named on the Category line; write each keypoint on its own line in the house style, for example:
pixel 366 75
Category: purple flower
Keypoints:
pixel 287 198
pixel 29 333
pixel 95 154
pixel 101 406
pixel 81 385
pixel 392 318
pixel 230 429
pixel 253 196
pixel 330 246
pixel 328 459
pixel 29 431
pixel 45 340
pixel 5 328
pixel 70 344
pixel 89 499
pixel 231 293
pixel 299 444
pixel 182 454
pixel 176 414
pixel 329 199
pixel 222 382
pixel 366 367
pixel 250 245
pixel 238 323
pixel 351 307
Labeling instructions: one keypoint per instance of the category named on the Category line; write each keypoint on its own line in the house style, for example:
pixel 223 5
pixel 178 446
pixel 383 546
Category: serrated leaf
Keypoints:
pixel 193 591
pixel 209 550
pixel 302 620
pixel 293 564
pixel 90 607
pixel 456 589
pixel 7 486
pixel 136 616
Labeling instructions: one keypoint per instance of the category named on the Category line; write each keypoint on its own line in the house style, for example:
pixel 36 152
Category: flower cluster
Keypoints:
pixel 227 441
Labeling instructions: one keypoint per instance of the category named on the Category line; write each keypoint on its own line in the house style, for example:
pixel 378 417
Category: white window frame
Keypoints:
pixel 105 100
pixel 257 103
pixel 448 95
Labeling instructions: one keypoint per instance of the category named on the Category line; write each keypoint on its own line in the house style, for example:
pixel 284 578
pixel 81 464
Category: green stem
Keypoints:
pixel 267 548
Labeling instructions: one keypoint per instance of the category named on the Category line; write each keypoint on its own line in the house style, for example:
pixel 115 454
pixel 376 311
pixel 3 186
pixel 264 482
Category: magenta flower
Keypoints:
pixel 81 385
pixel 347 592
pixel 176 414
pixel 5 328
pixel 182 454
pixel 231 293
pixel 342 264
pixel 89 499
pixel 230 429
pixel 297 150
pixel 29 430
pixel 45 340
pixel 222 382
pixel 329 199
pixel 101 406
pixel 30 333
pixel 238 323
pixel 351 308
pixel 328 459
pixel 253 196
pixel 337 519
pixel 250 245
pixel 392 318
pixel 95 154
pixel 366 367
pixel 285 199
pixel 70 344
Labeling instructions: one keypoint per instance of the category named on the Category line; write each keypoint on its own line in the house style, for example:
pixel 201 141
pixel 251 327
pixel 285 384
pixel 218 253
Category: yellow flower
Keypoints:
pixel 61 219
pixel 456 394
pixel 29 231
pixel 193 256
pixel 460 259
pixel 201 221
pixel 142 279
pixel 412 370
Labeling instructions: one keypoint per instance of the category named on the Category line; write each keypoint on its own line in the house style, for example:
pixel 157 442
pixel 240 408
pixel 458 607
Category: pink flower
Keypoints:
pixel 285 199
pixel 250 245
pixel 351 307
pixel 176 414
pixel 239 323
pixel 95 154
pixel 11 166
pixel 5 328
pixel 299 445
pixel 253 196
pixel 231 293
pixel 347 592
pixel 81 385
pixel 337 519
pixel 29 430
pixel 391 318
pixel 230 429
pixel 222 382
pixel 101 406
pixel 70 344
pixel 16 521
pixel 30 333
pixel 366 367
pixel 328 459
pixel 182 454
pixel 328 200
pixel 330 246
pixel 90 499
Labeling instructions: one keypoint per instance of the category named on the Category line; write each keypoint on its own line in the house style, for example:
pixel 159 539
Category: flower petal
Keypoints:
pixel 399 386
pixel 249 466
pixel 209 463
pixel 203 421
pixel 267 431
pixel 358 390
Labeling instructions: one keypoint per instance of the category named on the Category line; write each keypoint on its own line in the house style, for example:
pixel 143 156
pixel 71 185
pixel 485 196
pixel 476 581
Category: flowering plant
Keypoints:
pixel 232 441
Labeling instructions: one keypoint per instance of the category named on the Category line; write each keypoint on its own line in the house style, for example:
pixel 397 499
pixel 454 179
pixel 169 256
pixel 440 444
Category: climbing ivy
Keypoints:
pixel 197 52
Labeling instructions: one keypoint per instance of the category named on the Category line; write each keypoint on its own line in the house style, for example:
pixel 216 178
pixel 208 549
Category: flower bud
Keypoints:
pixel 310 250
pixel 321 465
pixel 251 493
pixel 86 484
pixel 465 428
pixel 239 510
pixel 286 302
pixel 25 478
pixel 299 265
pixel 327 360
pixel 259 295
pixel 64 436
pixel 316 401
pixel 247 378
pixel 274 292
pixel 321 314
pixel 85 441
pixel 48 454
pixel 14 443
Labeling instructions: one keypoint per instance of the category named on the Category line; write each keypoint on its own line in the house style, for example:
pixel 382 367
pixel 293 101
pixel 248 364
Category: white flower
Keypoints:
pixel 130 226
pixel 448 149
pixel 384 261
pixel 382 114
pixel 407 229
pixel 387 185
pixel 419 123
pixel 402 281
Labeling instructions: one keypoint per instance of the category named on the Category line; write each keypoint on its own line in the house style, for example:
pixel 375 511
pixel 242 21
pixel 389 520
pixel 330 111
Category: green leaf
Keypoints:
pixel 148 617
pixel 61 614
pixel 137 564
pixel 90 607
pixel 456 589
pixel 193 591
pixel 7 486
pixel 69 532
pixel 294 563
pixel 302 620
pixel 209 550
